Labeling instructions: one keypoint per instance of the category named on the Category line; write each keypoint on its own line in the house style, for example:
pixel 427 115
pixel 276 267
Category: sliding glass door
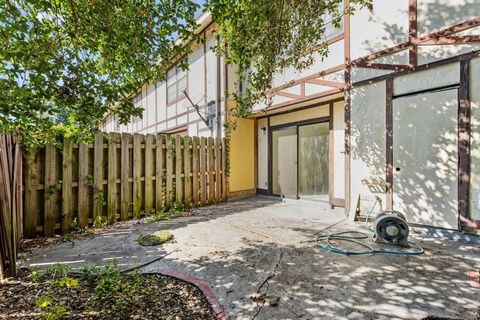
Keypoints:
pixel 313 160
pixel 284 166
pixel 299 160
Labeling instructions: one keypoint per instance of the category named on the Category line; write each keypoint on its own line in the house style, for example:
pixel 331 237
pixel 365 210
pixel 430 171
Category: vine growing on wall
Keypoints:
pixel 264 37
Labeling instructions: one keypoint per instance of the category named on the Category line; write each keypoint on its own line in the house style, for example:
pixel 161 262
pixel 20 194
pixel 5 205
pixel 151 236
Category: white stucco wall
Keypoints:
pixel 368 144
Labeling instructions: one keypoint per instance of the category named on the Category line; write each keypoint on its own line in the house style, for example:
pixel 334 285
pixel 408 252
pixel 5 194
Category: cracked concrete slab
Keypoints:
pixel 235 247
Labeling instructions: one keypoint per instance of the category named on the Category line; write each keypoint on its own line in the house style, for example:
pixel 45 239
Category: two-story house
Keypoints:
pixel 392 113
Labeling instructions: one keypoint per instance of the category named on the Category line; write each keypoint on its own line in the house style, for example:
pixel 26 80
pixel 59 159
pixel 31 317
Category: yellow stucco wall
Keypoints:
pixel 242 156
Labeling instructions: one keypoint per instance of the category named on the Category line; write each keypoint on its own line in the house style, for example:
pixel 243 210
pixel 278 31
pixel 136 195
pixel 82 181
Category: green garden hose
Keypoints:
pixel 353 236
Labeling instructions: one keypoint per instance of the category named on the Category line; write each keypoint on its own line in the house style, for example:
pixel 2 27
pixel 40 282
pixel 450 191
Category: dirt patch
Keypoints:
pixel 94 294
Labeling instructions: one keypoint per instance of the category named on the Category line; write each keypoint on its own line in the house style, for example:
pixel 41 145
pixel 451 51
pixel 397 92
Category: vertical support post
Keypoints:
pixel 347 99
pixel 464 144
pixel 412 33
pixel 389 144
pixel 331 156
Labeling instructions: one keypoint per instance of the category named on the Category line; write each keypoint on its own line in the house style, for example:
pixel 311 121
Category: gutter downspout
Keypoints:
pixel 219 93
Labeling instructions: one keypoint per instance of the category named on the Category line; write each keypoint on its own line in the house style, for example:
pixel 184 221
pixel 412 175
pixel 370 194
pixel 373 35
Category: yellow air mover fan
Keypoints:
pixel 390 228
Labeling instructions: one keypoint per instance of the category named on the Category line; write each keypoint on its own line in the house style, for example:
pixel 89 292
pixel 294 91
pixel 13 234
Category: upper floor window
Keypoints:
pixel 176 84
pixel 137 101
pixel 330 29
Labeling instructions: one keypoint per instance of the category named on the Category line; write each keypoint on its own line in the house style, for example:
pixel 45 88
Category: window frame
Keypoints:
pixel 178 95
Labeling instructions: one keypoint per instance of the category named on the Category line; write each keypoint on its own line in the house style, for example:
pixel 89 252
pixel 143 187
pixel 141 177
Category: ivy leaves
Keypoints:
pixel 265 37
pixel 65 63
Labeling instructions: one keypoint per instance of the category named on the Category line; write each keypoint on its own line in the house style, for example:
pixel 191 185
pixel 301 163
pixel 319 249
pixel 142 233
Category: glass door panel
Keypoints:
pixel 284 164
pixel 313 159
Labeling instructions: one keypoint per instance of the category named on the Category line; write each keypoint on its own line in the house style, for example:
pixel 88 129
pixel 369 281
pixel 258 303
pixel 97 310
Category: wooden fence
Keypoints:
pixel 118 177
pixel 10 203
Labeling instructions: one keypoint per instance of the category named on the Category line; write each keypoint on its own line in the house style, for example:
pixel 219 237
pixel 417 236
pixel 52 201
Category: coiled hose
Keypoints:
pixel 353 236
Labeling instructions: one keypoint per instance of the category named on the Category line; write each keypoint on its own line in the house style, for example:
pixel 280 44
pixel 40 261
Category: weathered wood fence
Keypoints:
pixel 11 227
pixel 118 177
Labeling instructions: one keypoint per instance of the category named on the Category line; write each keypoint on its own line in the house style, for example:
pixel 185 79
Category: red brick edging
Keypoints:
pixel 200 284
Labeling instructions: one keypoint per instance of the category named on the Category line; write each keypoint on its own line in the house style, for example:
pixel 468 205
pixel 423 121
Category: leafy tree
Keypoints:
pixel 265 37
pixel 65 63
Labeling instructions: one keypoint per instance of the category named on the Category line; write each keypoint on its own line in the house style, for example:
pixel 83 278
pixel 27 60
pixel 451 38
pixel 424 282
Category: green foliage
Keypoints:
pixel 64 64
pixel 265 37
pixel 57 187
pixel 68 282
pixel 57 271
pixel 99 195
pixel 110 284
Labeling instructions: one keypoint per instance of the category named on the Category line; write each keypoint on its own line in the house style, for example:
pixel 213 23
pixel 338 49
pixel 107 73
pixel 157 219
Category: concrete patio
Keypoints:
pixel 240 245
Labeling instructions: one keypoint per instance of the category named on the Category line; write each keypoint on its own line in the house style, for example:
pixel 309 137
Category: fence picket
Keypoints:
pixel 31 195
pixel 125 198
pixel 211 168
pixel 82 185
pixel 153 172
pixel 187 159
pixel 170 167
pixel 67 181
pixel 159 173
pixel 178 171
pixel 98 196
pixel 137 171
pixel 112 178
pixel 149 171
pixel 203 170
pixel 50 190
pixel 195 169
pixel 218 162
